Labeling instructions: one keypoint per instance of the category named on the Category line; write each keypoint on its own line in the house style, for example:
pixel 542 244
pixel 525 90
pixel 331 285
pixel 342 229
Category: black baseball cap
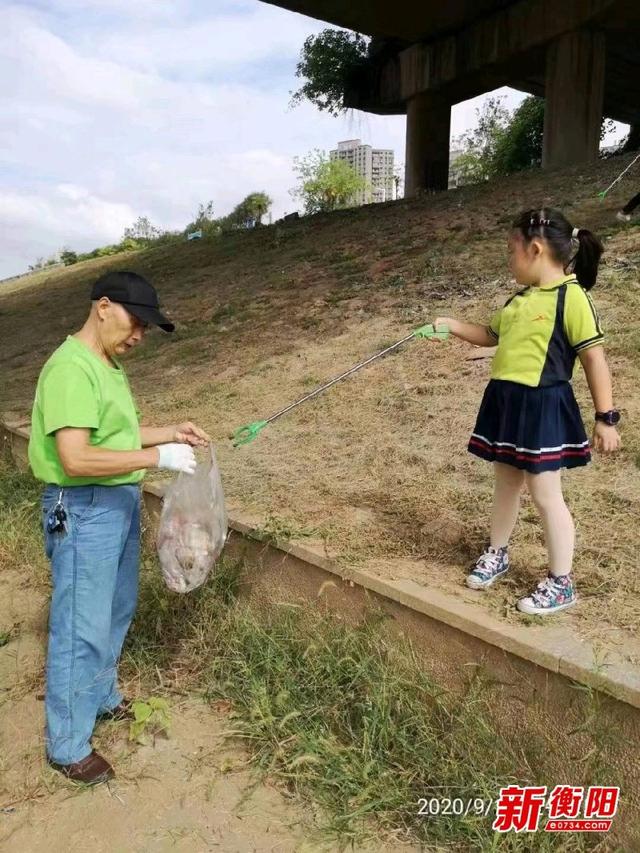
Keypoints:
pixel 134 293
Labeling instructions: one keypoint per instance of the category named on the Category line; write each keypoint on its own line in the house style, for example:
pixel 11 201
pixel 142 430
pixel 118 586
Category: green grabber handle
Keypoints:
pixel 603 194
pixel 246 434
pixel 442 333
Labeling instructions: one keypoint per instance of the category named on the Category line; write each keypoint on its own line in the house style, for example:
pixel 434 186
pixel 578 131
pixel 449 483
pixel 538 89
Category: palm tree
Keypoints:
pixel 257 205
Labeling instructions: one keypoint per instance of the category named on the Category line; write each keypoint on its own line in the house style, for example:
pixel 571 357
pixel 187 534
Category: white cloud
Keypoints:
pixel 93 143
pixel 111 110
pixel 72 191
pixel 138 9
pixel 66 214
pixel 42 65
pixel 187 47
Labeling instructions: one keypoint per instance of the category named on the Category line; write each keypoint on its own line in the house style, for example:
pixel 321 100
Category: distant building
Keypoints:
pixel 375 165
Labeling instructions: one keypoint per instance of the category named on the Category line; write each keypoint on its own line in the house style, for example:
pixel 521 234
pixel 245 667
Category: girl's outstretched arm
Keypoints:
pixel 605 438
pixel 472 333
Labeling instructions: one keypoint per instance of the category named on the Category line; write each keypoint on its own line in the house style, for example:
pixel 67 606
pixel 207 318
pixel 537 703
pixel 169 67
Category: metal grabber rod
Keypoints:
pixel 246 434
pixel 620 176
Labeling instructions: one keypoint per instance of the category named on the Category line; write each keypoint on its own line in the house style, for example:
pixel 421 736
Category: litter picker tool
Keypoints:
pixel 604 193
pixel 246 434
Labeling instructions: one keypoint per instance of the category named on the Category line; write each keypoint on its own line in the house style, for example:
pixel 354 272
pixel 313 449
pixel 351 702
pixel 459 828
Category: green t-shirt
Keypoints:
pixel 77 389
pixel 540 332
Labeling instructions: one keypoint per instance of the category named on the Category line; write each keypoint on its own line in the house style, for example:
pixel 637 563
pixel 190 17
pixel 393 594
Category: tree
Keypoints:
pixel 504 141
pixel 519 145
pixel 398 178
pixel 248 213
pixel 256 206
pixel 324 184
pixel 68 257
pixel 327 62
pixel 476 163
pixel 42 263
pixel 141 230
pixel 204 221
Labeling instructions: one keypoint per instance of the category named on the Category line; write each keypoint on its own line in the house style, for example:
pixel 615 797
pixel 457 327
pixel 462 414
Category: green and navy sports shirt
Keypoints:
pixel 540 332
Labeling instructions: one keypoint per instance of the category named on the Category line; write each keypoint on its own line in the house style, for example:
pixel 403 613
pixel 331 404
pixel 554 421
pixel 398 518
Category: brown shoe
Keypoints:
pixel 92 770
pixel 123 711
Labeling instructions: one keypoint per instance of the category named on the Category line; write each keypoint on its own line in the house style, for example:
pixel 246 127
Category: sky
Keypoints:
pixel 114 109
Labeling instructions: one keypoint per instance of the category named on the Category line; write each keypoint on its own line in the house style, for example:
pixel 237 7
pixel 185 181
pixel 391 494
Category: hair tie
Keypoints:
pixel 576 233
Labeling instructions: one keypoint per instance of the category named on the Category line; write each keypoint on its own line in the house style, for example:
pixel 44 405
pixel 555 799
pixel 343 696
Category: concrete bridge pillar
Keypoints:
pixel 574 93
pixel 427 144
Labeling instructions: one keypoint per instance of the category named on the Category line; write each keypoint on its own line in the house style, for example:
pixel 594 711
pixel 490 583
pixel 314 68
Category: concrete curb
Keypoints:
pixel 553 647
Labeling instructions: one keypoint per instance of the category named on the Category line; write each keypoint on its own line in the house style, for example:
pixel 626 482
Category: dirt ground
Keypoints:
pixel 377 468
pixel 191 792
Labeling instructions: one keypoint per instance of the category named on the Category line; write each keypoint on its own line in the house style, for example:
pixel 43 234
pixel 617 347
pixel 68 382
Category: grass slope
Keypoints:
pixel 376 468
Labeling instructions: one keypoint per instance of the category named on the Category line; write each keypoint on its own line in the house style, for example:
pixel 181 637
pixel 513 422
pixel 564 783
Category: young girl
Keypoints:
pixel 529 424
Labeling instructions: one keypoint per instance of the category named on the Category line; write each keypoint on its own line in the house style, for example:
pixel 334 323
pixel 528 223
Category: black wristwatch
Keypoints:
pixel 611 418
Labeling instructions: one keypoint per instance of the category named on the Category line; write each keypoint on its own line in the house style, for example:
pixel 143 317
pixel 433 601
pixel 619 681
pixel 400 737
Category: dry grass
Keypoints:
pixel 343 720
pixel 378 466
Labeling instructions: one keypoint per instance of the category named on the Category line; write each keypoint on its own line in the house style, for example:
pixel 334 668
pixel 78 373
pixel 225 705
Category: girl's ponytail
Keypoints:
pixel 585 263
pixel 551 225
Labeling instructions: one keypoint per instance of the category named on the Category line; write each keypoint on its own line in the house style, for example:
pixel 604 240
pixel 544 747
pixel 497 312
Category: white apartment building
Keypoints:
pixel 375 165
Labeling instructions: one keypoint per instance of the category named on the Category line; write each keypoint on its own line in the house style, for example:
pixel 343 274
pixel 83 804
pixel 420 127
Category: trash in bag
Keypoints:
pixel 193 526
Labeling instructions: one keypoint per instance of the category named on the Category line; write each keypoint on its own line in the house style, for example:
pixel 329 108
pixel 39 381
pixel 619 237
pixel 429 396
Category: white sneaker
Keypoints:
pixel 621 216
pixel 490 566
pixel 550 596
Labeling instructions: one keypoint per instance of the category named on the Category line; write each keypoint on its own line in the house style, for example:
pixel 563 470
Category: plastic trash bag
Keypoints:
pixel 193 527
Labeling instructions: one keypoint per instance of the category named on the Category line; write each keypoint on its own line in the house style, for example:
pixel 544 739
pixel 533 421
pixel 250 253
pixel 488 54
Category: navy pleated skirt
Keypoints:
pixel 534 429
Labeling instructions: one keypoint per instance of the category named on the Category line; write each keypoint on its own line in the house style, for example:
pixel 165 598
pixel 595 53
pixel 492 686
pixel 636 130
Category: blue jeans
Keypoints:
pixel 94 569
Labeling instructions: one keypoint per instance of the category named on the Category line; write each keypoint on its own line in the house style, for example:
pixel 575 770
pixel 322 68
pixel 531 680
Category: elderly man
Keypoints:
pixel 88 447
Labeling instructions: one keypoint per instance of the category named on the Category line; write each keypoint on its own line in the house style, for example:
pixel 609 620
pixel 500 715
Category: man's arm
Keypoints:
pixel 81 459
pixel 184 433
pixel 150 435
